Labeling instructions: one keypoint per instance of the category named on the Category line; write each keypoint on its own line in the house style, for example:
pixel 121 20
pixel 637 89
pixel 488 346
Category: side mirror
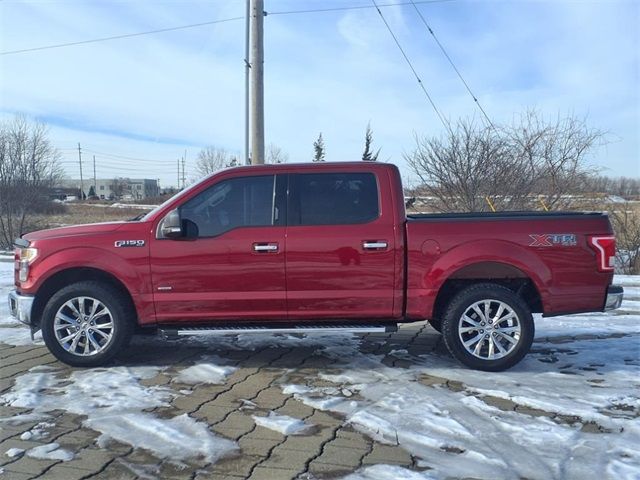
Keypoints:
pixel 170 225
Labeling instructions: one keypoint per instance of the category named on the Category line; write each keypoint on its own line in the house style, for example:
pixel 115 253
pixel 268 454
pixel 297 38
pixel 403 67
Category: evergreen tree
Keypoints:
pixel 318 149
pixel 368 155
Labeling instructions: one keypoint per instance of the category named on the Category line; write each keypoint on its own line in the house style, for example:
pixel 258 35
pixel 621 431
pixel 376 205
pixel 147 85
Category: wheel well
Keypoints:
pixel 493 272
pixel 74 275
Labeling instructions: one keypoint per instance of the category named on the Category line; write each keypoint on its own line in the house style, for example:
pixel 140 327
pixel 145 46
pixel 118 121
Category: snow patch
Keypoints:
pixel 282 423
pixel 389 472
pixel 18 335
pixel 38 432
pixel 177 438
pixel 14 452
pixel 50 451
pixel 458 434
pixel 23 418
pixel 113 399
pixel 204 373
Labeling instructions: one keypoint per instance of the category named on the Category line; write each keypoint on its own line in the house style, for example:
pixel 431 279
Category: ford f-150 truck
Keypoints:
pixel 311 247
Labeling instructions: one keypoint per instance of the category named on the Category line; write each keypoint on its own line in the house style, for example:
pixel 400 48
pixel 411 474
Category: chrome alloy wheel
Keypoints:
pixel 83 326
pixel 489 329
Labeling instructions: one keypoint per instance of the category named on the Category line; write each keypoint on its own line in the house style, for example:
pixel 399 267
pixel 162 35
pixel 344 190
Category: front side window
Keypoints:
pixel 334 199
pixel 234 203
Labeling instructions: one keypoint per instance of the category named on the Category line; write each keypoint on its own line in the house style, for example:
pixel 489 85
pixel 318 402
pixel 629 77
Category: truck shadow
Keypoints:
pixel 402 349
pixel 417 347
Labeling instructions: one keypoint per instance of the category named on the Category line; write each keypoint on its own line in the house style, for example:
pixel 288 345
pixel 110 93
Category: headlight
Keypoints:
pixel 27 254
pixel 25 257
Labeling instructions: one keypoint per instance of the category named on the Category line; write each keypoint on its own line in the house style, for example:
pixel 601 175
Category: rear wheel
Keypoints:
pixel 86 324
pixel 488 327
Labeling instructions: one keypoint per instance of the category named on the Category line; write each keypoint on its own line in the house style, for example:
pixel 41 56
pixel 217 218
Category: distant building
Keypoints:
pixel 124 189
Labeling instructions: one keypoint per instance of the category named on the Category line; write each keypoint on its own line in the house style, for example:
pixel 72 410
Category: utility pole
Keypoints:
pixel 81 183
pixel 247 68
pixel 95 186
pixel 178 184
pixel 183 178
pixel 257 85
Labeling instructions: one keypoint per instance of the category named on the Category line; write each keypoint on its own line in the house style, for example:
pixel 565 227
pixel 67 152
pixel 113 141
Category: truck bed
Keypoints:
pixel 550 250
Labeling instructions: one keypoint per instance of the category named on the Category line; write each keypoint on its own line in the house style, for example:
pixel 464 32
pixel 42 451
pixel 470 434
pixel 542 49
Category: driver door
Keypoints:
pixel 229 262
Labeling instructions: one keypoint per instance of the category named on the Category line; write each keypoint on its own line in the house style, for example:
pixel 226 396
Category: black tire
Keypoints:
pixel 436 323
pixel 452 322
pixel 122 317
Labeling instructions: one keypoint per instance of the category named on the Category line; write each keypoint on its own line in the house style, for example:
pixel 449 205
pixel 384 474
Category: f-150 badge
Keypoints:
pixel 129 243
pixel 552 239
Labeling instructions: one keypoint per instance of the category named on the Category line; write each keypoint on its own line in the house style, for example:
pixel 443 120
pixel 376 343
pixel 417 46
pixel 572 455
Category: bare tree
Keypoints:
pixel 119 187
pixel 318 149
pixel 529 163
pixel 211 159
pixel 275 154
pixel 625 220
pixel 556 152
pixel 368 155
pixel 463 168
pixel 29 166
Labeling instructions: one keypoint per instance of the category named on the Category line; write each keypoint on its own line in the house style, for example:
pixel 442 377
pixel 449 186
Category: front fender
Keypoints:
pixel 87 257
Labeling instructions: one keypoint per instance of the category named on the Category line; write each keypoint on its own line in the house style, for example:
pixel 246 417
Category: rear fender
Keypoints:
pixel 422 300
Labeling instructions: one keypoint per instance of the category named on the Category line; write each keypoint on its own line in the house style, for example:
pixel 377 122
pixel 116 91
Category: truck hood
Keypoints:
pixel 75 230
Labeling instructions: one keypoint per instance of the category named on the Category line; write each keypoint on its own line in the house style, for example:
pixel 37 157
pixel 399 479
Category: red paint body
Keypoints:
pixel 323 272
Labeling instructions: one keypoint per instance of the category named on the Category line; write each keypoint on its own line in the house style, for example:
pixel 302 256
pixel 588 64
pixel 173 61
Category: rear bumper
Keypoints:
pixel 20 306
pixel 614 297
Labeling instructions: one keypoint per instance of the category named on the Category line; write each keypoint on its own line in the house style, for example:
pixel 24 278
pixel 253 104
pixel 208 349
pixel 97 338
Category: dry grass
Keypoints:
pixel 79 214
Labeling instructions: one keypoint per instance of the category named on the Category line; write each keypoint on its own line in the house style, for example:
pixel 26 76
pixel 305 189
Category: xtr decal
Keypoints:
pixel 553 239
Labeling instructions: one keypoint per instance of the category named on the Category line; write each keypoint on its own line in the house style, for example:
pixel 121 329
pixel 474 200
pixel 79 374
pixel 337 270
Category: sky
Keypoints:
pixel 138 104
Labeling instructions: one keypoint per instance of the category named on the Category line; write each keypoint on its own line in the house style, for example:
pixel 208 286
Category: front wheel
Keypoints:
pixel 488 327
pixel 86 324
pixel 436 324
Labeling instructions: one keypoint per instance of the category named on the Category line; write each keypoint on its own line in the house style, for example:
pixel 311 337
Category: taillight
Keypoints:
pixel 605 248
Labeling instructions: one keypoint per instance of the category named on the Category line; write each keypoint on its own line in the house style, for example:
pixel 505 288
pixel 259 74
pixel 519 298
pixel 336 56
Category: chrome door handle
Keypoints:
pixel 374 245
pixel 265 247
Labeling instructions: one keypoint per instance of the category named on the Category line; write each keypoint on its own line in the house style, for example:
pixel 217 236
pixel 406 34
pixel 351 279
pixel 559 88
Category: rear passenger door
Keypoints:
pixel 340 248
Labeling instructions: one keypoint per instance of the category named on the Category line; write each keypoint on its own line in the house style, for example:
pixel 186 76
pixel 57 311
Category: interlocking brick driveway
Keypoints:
pixel 331 449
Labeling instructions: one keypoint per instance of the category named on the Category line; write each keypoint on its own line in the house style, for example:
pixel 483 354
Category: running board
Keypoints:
pixel 234 330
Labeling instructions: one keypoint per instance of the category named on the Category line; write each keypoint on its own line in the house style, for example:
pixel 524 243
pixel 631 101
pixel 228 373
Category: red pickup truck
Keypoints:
pixel 311 247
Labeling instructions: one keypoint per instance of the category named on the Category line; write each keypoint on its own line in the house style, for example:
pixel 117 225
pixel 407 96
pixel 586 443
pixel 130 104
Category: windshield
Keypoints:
pixel 181 193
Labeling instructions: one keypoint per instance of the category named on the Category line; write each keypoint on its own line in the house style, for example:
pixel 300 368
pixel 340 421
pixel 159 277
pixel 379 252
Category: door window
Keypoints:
pixel 234 203
pixel 334 199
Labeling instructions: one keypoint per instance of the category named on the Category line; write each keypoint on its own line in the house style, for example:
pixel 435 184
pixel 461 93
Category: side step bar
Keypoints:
pixel 173 332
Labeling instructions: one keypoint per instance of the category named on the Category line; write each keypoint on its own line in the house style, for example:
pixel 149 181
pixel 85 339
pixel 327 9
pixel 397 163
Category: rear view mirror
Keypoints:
pixel 170 225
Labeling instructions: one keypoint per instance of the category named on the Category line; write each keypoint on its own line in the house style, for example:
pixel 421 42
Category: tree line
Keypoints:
pixel 529 163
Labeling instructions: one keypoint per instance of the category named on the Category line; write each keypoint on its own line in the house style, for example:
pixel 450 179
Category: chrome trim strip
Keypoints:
pixel 317 329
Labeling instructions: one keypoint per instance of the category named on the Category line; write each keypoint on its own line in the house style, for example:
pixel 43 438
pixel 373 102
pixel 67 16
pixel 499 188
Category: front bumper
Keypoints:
pixel 614 297
pixel 20 306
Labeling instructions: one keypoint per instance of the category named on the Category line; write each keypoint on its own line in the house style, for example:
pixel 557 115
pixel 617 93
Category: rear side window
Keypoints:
pixel 333 199
pixel 234 203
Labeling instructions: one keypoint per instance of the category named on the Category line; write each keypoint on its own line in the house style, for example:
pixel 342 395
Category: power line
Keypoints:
pixel 475 99
pixel 124 157
pixel 355 7
pixel 424 89
pixel 213 22
pixel 116 37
